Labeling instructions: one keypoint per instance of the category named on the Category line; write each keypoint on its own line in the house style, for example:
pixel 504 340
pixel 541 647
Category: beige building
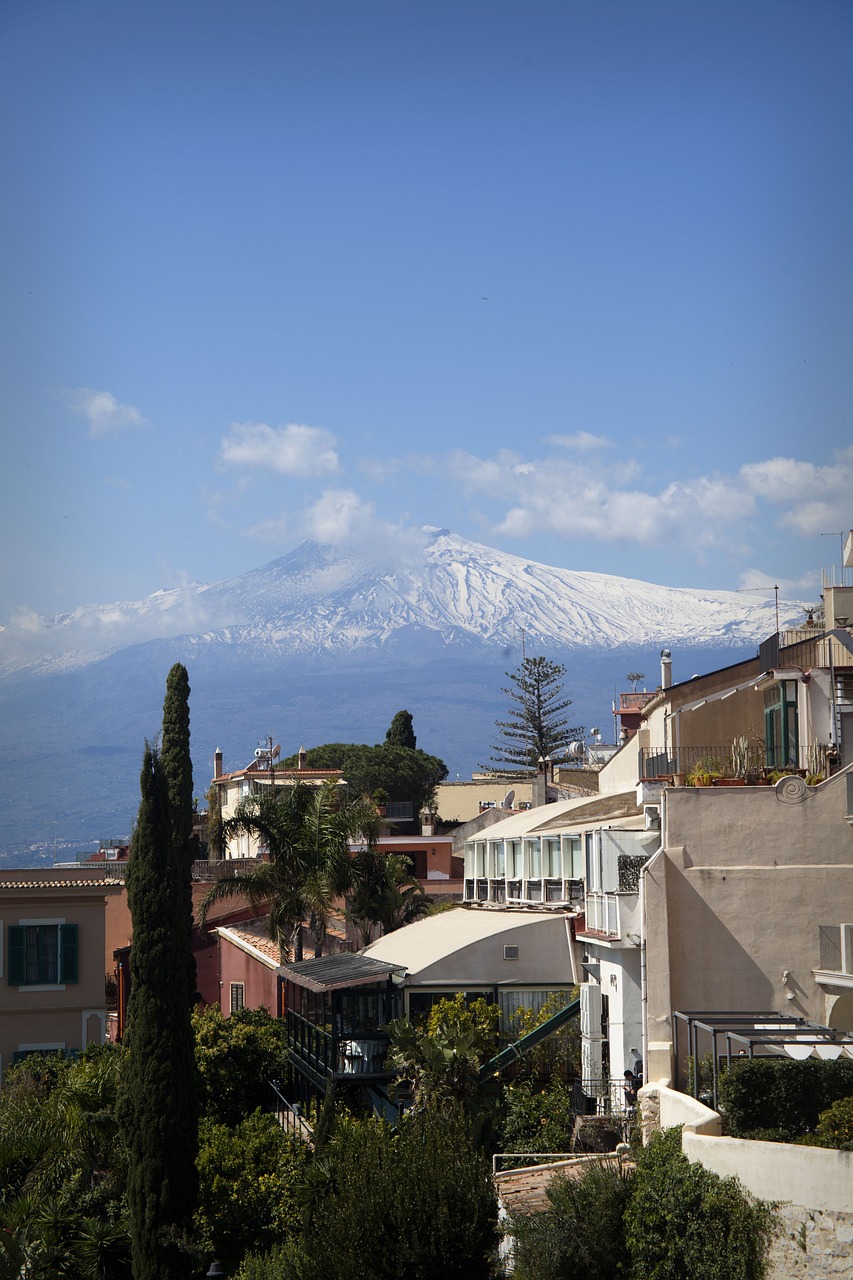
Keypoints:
pixel 52 972
pixel 261 775
pixel 732 896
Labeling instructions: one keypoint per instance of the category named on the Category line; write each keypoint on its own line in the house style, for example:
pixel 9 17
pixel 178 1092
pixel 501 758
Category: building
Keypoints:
pixel 52 967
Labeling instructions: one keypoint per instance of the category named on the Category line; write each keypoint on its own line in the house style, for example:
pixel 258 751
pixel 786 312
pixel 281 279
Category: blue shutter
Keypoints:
pixel 68 953
pixel 17 935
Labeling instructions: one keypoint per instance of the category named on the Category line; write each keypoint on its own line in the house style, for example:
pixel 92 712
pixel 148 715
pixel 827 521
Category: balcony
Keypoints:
pixel 836 956
pixel 657 763
pixel 612 918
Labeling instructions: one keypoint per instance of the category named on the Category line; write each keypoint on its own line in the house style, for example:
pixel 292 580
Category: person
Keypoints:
pixel 631 1085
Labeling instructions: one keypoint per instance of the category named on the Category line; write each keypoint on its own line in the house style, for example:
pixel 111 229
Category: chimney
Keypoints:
pixel 217 763
pixel 665 668
pixel 302 760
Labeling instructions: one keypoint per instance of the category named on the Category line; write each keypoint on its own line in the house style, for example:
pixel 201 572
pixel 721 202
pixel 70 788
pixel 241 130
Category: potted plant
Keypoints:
pixel 380 800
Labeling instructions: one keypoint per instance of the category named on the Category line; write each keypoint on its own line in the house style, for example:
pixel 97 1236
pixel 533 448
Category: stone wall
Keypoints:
pixel 811 1186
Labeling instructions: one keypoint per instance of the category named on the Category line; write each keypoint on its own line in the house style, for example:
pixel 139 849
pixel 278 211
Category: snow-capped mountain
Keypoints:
pixel 318 600
pixel 321 646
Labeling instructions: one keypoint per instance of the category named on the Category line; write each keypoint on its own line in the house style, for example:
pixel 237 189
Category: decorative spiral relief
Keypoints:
pixel 791 789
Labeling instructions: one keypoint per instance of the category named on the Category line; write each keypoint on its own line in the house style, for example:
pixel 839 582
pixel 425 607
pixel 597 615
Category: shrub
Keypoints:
pixel 248 1186
pixel 236 1057
pixel 774 1094
pixel 419 1203
pixel 835 1126
pixel 581 1236
pixel 682 1220
pixel 537 1118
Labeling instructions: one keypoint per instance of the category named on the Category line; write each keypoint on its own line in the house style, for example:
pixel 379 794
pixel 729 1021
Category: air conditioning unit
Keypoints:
pixel 651 815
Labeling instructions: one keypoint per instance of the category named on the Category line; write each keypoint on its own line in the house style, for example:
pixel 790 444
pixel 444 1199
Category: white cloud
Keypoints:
pixel 292 450
pixel 815 499
pixel 106 416
pixel 581 442
pixel 96 630
pixel 340 518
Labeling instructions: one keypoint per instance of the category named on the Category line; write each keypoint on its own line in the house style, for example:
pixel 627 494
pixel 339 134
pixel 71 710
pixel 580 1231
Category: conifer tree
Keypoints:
pixel 536 726
pixel 400 732
pixel 177 766
pixel 158 1104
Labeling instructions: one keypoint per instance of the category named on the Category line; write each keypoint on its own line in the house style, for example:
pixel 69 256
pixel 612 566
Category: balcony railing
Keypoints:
pixel 602 914
pixel 655 762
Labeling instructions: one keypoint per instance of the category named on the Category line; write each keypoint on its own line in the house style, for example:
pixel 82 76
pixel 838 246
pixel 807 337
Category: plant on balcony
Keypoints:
pixel 741 757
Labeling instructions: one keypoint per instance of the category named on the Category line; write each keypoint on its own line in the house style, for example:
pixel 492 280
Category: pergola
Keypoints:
pixel 735 1033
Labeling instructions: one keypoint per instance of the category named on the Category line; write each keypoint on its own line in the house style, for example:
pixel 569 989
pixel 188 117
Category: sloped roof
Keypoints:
pixel 252 936
pixel 467 945
pixel 564 813
pixel 330 973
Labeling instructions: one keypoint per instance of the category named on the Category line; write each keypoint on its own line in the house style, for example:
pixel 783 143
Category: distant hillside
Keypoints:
pixel 319 646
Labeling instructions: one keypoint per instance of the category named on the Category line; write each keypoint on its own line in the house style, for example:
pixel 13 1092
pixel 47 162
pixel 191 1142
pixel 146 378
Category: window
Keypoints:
pixel 42 954
pixel 238 998
pixel 780 725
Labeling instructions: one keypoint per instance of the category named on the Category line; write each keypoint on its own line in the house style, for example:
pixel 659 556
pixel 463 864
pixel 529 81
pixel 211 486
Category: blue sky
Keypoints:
pixel 570 278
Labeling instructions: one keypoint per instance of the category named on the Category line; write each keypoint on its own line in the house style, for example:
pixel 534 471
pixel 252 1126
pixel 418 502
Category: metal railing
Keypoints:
pixel 655 763
pixel 222 868
pixel 602 914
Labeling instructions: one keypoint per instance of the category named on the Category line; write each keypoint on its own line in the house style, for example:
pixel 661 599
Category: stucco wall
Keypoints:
pixel 259 982
pixel 737 901
pixel 812 1188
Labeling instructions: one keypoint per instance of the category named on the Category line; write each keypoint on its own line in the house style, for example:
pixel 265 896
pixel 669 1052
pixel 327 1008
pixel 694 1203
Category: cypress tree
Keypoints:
pixel 158 1105
pixel 178 769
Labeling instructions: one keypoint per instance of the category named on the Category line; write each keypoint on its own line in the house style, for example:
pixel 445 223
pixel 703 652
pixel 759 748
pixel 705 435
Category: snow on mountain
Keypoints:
pixel 320 600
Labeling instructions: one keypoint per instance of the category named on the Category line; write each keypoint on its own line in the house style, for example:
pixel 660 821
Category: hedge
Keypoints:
pixel 760 1095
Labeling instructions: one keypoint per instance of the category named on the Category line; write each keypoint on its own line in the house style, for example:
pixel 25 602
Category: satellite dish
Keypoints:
pixel 276 751
pixel 508 799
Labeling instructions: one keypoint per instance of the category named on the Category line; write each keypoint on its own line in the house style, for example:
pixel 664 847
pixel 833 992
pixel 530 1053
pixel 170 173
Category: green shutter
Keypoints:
pixel 16 955
pixel 68 952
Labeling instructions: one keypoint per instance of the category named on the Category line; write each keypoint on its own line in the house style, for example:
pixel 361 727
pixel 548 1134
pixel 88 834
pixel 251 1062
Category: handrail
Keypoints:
pixel 529 1041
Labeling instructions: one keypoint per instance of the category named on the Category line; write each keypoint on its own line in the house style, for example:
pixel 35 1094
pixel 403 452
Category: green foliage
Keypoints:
pixel 385 895
pixel 537 1118
pixel 419 1203
pixel 559 1054
pixel 835 1126
pixel 461 1016
pixel 306 832
pixel 582 1234
pixel 158 1098
pixel 682 1220
pixel 405 773
pixel 536 726
pixel 249 1178
pixel 236 1058
pixel 442 1061
pixel 400 732
pixel 62 1170
pixel 774 1094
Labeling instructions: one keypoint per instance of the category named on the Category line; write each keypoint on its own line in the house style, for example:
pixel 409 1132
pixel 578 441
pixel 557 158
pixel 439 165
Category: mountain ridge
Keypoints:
pixel 321 646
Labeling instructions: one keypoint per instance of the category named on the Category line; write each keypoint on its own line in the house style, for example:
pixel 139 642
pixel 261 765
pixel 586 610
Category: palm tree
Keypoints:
pixel 385 894
pixel 305 833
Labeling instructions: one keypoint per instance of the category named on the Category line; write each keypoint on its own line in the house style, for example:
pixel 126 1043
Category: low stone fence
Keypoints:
pixel 812 1186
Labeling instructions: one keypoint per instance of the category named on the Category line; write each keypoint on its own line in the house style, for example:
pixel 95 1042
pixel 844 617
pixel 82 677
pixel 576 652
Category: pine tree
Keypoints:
pixel 158 1104
pixel 536 727
pixel 400 732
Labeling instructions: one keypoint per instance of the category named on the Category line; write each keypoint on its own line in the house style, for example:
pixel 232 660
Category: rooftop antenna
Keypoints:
pixel 837 533
pixel 763 591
